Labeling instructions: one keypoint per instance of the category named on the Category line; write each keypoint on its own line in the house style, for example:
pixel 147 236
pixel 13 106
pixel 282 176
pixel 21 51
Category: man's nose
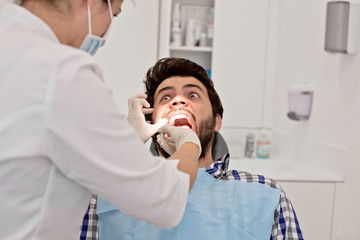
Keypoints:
pixel 179 101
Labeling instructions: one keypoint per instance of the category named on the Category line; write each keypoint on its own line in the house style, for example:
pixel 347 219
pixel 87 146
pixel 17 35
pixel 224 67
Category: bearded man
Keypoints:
pixel 223 203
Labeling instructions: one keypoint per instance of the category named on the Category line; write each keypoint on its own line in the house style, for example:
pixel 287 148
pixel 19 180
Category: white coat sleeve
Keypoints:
pixel 91 142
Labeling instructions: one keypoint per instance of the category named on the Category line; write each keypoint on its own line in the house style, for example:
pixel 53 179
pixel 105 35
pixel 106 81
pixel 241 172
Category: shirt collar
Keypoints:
pixel 219 168
pixel 28 20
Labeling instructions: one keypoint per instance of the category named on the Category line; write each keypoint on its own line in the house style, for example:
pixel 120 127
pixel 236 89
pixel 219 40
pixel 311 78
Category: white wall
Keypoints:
pixel 336 108
pixel 3 2
pixel 299 56
pixel 131 49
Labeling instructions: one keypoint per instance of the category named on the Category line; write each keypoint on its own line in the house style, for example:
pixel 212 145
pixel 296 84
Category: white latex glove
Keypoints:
pixel 166 143
pixel 181 136
pixel 136 117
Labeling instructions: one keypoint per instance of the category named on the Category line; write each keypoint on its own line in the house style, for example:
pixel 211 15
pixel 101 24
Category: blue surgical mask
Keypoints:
pixel 92 43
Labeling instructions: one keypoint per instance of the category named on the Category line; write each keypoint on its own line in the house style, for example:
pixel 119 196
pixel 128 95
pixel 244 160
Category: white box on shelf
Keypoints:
pixel 199 14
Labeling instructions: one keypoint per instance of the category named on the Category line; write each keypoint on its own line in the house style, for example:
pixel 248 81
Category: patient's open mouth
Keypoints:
pixel 180 120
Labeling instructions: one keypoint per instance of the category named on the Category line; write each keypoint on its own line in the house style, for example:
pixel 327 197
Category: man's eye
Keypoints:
pixel 164 98
pixel 194 95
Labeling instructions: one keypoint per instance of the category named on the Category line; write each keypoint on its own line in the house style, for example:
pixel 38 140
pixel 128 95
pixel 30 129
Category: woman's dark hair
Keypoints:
pixel 169 67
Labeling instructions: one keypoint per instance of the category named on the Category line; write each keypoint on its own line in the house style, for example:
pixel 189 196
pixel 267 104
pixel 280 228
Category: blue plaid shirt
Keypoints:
pixel 285 224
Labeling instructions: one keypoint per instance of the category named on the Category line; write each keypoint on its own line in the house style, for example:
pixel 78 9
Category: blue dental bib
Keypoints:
pixel 215 210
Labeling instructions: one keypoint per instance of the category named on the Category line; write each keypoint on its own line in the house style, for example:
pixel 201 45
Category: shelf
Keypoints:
pixel 191 49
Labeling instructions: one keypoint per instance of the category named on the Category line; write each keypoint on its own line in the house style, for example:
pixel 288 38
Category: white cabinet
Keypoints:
pixel 237 59
pixel 313 203
pixel 197 10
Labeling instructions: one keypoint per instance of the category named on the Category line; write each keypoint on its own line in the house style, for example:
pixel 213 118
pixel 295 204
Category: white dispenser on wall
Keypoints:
pixel 342 27
pixel 300 98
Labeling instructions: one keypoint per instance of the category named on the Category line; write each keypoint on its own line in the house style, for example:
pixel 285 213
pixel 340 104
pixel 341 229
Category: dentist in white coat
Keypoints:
pixel 61 134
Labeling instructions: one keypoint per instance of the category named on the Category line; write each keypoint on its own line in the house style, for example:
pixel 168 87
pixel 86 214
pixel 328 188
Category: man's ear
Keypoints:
pixel 218 122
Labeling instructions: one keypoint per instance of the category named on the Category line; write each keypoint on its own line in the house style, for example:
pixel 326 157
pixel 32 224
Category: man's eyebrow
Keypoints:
pixel 193 86
pixel 185 86
pixel 164 89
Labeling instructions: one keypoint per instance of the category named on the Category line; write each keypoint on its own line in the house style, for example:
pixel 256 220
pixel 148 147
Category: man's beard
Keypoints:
pixel 205 133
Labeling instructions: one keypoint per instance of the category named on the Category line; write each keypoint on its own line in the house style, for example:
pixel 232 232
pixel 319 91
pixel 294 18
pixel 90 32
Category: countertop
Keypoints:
pixel 284 170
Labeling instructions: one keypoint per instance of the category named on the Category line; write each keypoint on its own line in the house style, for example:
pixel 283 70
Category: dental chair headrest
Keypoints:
pixel 219 150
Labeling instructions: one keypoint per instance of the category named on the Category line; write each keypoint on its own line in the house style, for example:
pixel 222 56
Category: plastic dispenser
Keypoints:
pixel 263 145
pixel 300 101
pixel 342 27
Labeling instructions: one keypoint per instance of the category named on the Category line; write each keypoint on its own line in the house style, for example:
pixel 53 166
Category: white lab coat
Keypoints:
pixel 62 137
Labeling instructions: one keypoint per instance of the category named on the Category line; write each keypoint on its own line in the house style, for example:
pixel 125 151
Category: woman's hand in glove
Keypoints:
pixel 166 143
pixel 178 136
pixel 138 106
